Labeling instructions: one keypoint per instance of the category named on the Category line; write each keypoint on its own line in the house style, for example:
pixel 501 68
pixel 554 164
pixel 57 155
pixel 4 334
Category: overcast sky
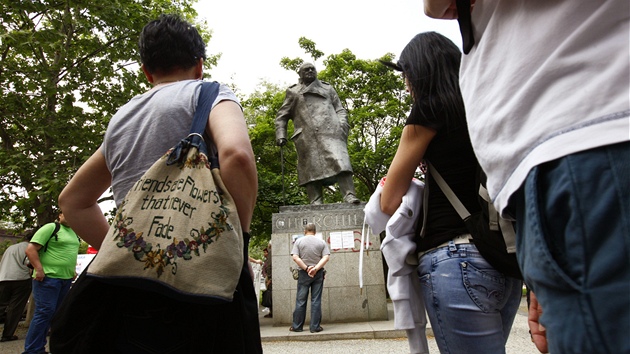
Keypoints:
pixel 254 35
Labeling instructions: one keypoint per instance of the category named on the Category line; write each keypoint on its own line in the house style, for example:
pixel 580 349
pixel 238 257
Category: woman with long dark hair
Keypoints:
pixel 470 304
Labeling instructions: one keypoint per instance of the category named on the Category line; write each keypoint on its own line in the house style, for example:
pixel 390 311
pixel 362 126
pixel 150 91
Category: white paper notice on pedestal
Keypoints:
pixel 348 239
pixel 341 239
pixel 336 240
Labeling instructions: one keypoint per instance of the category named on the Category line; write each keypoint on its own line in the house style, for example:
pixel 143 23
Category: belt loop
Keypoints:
pixel 451 246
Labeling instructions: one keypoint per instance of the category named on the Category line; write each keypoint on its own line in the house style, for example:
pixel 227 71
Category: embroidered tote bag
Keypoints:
pixel 177 230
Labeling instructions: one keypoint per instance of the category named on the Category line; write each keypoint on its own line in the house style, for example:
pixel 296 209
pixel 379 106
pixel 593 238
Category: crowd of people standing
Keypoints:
pixel 539 99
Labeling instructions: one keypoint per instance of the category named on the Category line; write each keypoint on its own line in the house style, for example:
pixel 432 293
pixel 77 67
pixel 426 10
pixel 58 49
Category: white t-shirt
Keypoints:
pixel 13 264
pixel 545 79
pixel 147 126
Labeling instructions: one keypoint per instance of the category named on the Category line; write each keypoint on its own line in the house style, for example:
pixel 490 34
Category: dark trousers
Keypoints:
pixel 315 285
pixel 13 298
pixel 101 318
pixel 573 245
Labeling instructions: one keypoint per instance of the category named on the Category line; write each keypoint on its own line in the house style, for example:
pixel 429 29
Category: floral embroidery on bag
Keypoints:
pixel 158 258
pixel 197 161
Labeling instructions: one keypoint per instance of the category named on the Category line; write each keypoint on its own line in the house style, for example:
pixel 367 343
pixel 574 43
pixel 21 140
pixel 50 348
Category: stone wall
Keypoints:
pixel 340 225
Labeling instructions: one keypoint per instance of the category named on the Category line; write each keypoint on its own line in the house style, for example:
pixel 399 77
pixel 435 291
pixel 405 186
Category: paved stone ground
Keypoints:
pixel 519 342
pixel 17 346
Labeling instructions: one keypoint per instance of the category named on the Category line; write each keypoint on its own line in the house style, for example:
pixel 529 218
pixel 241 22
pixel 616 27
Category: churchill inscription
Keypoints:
pixel 322 221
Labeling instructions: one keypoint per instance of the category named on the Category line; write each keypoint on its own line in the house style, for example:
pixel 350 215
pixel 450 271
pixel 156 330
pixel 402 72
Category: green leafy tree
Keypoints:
pixel 66 67
pixel 309 47
pixel 3 246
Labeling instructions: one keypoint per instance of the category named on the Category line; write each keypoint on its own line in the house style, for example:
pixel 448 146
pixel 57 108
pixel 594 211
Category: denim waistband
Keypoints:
pixel 458 240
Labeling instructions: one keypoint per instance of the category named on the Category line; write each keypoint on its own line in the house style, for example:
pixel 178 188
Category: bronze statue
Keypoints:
pixel 320 135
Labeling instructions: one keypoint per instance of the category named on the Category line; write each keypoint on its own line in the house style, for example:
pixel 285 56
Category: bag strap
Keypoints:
pixel 465 25
pixel 425 205
pixel 54 234
pixel 497 223
pixel 207 95
pixel 492 212
pixel 448 192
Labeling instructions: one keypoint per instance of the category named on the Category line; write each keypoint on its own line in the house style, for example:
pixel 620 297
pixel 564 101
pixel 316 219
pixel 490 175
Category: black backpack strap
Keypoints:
pixel 465 25
pixel 496 223
pixel 54 234
pixel 425 202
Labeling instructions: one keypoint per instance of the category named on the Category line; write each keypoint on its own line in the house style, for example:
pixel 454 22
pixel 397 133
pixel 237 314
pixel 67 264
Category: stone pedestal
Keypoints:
pixel 340 225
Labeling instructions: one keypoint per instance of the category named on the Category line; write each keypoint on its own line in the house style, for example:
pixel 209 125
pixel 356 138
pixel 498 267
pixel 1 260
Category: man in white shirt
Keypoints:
pixel 548 105
pixel 15 286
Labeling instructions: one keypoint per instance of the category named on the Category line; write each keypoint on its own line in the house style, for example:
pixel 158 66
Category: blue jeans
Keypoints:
pixel 573 242
pixel 315 284
pixel 471 305
pixel 47 294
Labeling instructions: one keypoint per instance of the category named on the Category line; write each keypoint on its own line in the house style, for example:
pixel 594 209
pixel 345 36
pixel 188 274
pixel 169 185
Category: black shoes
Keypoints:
pixel 8 339
pixel 316 330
